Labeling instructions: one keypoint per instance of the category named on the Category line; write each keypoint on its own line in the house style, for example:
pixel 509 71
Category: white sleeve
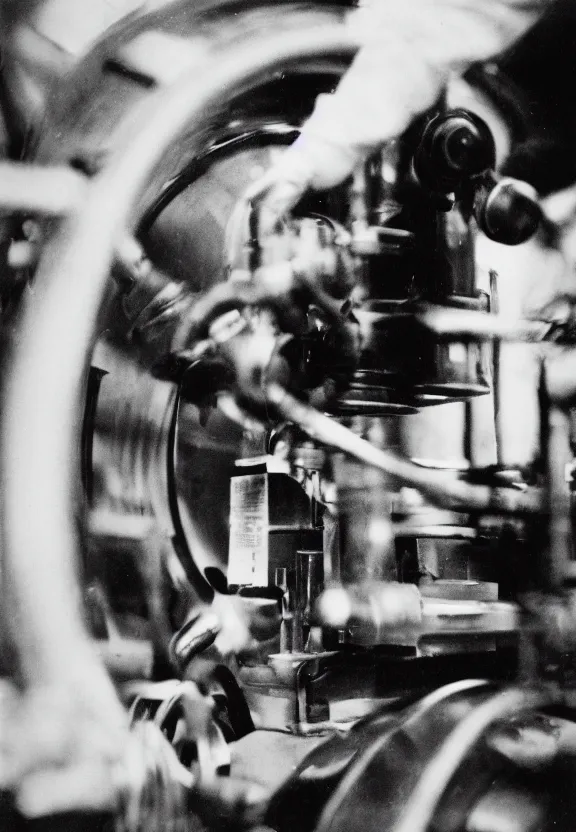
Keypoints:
pixel 408 50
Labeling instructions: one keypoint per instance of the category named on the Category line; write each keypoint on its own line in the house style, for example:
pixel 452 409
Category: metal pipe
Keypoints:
pixel 41 414
pixel 496 370
pixel 435 532
pixel 561 375
pixel 559 543
pixel 32 189
pixel 480 326
pixel 451 493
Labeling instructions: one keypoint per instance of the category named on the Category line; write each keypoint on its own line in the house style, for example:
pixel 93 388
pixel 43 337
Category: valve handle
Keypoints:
pixel 456 151
pixel 507 210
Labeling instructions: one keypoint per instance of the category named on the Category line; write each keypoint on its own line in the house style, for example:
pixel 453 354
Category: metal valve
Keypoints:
pixel 457 156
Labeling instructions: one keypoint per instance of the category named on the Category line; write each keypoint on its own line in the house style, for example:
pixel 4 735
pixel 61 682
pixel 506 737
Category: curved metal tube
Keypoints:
pixel 281 133
pixel 42 409
pixel 451 493
pixel 436 777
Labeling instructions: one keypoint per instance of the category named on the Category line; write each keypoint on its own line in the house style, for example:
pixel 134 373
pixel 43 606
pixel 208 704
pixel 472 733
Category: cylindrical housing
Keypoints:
pixel 367 551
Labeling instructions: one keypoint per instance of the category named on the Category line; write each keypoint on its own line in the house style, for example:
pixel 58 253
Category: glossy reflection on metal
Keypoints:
pixel 41 416
pixel 131 448
pixel 263 136
pixel 328 779
pixel 157 457
pixel 392 770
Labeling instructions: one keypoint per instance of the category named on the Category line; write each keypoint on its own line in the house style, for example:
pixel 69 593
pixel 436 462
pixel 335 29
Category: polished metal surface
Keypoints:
pixel 285 542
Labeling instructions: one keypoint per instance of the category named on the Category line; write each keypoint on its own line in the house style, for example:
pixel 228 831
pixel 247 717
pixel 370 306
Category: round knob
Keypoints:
pixel 455 146
pixel 509 213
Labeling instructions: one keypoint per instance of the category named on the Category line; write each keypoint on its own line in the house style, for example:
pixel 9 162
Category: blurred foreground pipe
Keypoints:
pixel 126 659
pixel 42 407
pixel 33 189
pixel 561 376
pixel 559 545
pixel 481 326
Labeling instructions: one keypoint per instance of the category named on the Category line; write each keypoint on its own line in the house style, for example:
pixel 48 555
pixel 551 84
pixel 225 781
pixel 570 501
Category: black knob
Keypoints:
pixel 455 147
pixel 508 212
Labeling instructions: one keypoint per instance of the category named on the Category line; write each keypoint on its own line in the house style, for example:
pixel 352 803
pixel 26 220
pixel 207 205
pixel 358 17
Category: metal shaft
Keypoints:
pixel 451 493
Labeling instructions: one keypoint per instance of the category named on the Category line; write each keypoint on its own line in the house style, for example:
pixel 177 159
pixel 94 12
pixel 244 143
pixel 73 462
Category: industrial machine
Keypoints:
pixel 305 495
